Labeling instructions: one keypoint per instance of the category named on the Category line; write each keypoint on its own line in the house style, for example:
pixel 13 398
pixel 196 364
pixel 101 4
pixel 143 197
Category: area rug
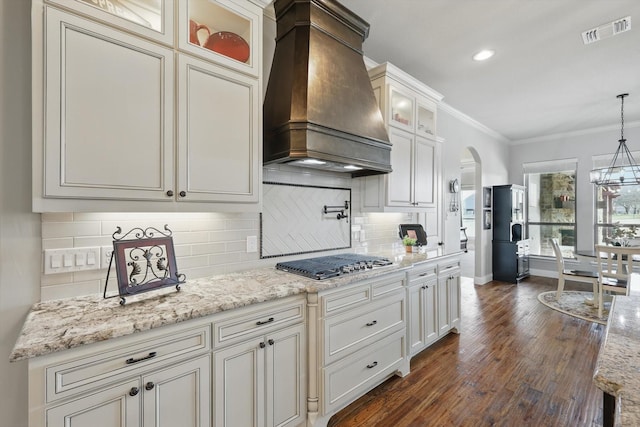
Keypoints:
pixel 574 304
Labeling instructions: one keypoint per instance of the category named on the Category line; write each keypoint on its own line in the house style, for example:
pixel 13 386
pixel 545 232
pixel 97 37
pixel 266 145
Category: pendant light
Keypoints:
pixel 623 170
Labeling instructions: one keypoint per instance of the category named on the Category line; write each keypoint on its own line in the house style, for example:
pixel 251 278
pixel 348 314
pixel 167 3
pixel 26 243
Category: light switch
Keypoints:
pixel 81 259
pixel 68 260
pixel 56 261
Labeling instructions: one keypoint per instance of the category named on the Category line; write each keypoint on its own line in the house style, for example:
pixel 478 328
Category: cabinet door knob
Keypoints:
pixel 183 194
pixel 149 386
pixel 170 193
pixel 262 345
pixel 373 365
pixel 134 391
pixel 271 342
pixel 372 323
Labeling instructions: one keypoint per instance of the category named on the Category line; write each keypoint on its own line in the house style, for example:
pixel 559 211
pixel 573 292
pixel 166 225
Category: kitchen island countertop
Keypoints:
pixel 618 367
pixel 61 324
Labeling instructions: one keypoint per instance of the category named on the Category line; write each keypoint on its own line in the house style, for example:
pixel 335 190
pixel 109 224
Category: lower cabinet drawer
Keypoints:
pixel 257 320
pixel 349 378
pixel 103 368
pixel 353 330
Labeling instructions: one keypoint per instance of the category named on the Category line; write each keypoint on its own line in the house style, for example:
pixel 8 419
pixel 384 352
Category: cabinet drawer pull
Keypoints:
pixel 423 274
pixel 183 194
pixel 131 360
pixel 134 391
pixel 262 345
pixel 372 323
pixel 170 193
pixel 149 386
pixel 373 365
pixel 271 342
pixel 260 322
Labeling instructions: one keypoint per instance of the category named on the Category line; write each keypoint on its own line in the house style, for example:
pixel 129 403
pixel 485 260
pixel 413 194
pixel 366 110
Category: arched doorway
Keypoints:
pixel 471 211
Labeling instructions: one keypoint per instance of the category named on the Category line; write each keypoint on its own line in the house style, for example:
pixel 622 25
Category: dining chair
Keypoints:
pixel 615 267
pixel 584 276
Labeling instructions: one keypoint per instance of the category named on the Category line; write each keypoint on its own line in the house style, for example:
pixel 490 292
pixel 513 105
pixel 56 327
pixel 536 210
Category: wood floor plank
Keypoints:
pixel 516 363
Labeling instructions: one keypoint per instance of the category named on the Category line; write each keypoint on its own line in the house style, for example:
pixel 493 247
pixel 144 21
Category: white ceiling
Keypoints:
pixel 543 80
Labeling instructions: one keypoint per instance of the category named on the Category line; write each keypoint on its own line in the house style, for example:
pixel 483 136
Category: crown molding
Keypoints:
pixel 443 106
pixel 574 133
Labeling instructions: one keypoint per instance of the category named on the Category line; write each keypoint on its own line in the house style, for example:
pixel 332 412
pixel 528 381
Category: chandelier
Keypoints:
pixel 623 170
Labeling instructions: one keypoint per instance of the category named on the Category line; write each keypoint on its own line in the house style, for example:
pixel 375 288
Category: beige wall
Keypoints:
pixel 19 228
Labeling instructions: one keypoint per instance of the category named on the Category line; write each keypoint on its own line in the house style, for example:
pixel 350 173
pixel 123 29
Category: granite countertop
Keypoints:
pixel 57 325
pixel 618 367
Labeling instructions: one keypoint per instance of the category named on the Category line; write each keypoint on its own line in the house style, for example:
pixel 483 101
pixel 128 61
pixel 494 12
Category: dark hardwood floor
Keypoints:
pixel 516 363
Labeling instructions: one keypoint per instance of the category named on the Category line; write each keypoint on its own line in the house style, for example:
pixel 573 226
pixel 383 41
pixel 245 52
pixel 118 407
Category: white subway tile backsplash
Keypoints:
pixel 70 229
pixel 205 243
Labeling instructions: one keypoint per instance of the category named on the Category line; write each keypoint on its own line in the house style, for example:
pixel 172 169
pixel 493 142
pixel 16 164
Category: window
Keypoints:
pixel 617 210
pixel 551 197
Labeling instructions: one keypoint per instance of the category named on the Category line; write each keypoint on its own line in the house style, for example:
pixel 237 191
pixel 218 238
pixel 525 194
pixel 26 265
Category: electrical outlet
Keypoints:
pixel 105 256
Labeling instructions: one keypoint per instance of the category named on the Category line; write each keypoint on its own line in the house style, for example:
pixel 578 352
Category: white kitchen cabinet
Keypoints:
pixel 361 341
pixel 117 406
pixel 162 377
pixel 177 395
pixel 409 108
pixel 219 134
pixel 448 297
pixel 413 181
pixel 434 302
pixel 423 307
pixel 109 112
pixel 148 18
pixel 260 382
pixel 107 100
pixel 260 364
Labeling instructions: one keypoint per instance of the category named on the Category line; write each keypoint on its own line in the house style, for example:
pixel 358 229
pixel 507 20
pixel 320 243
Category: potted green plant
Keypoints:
pixel 409 243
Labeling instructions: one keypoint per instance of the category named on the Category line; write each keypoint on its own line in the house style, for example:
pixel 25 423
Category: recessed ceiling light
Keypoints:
pixel 484 55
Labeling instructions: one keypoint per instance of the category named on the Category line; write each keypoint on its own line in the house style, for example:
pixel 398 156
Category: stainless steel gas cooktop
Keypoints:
pixel 326 267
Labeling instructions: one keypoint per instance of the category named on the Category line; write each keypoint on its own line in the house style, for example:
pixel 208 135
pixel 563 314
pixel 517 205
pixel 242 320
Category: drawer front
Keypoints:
pixel 448 268
pixel 104 368
pixel 422 274
pixel 387 286
pixel 355 295
pixel 350 331
pixel 346 299
pixel 348 379
pixel 258 320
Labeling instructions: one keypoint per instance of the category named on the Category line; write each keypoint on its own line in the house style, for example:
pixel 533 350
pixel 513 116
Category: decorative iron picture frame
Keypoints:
pixel 486 197
pixel 145 263
pixel 486 219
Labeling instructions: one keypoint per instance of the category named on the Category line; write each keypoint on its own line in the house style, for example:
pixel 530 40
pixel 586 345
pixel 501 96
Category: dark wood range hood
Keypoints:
pixel 319 105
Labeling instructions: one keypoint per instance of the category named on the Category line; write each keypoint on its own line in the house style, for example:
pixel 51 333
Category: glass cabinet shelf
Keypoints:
pixel 219 30
pixel 426 121
pixel 147 13
pixel 401 109
pixel 149 18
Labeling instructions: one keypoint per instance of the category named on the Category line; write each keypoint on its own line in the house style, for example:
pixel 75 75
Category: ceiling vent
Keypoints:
pixel 606 30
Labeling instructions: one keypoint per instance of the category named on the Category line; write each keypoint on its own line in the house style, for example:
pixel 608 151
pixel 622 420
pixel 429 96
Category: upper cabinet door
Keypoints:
pixel 224 31
pixel 401 109
pixel 219 134
pixel 108 107
pixel 148 18
pixel 426 175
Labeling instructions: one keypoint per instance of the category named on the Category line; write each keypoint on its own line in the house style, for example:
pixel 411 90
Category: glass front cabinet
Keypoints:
pixel 159 88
